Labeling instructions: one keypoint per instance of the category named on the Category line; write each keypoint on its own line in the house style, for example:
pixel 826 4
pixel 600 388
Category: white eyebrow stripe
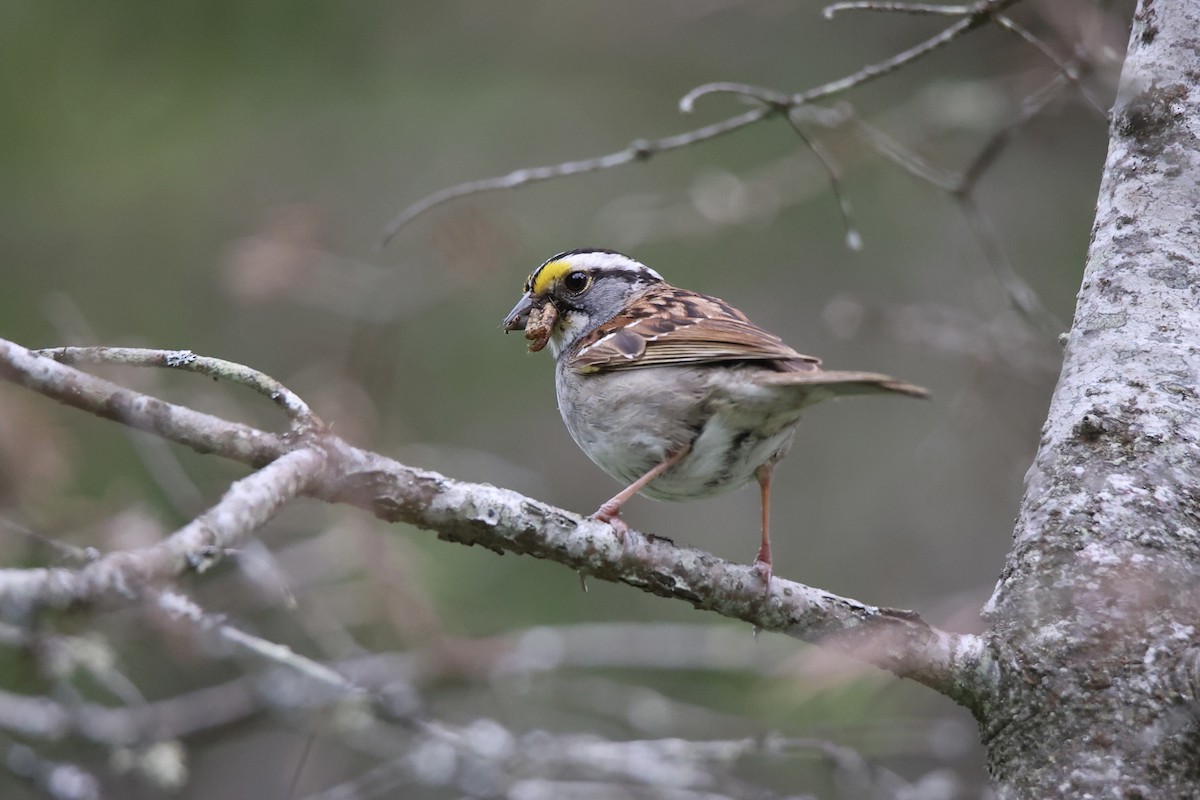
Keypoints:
pixel 613 261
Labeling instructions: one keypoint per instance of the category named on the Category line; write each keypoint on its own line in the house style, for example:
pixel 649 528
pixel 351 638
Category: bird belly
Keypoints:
pixel 724 457
pixel 729 438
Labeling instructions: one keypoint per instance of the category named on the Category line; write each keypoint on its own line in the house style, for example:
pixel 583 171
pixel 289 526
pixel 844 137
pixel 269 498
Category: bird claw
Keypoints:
pixel 762 570
pixel 613 518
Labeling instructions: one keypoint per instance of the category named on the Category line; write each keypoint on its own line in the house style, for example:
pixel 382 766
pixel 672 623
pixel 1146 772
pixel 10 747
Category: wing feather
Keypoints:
pixel 674 326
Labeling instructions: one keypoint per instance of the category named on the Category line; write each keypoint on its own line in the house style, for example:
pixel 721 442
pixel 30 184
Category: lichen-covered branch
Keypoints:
pixel 505 521
pixel 202 432
pixel 216 368
pixel 324 466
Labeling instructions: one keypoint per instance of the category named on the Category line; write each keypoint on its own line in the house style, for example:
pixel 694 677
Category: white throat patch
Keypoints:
pixel 567 329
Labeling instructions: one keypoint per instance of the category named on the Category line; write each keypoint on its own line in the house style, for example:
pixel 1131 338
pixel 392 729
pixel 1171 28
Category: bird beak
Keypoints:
pixel 516 319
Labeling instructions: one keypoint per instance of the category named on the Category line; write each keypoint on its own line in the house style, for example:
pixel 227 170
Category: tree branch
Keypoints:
pixel 248 505
pixel 896 8
pixel 216 368
pixel 202 432
pixel 973 16
pixel 638 150
pixel 501 520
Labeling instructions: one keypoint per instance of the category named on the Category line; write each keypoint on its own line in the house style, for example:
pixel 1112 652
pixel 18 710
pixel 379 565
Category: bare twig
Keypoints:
pixel 781 101
pixel 1031 106
pixel 180 608
pixel 774 102
pixel 961 186
pixel 1070 71
pixel 216 368
pixel 1020 293
pixel 899 8
pixel 639 150
pixel 853 237
pixel 981 13
pixel 497 519
pixel 201 432
pixel 162 465
pixel 248 504
pixel 906 159
pixel 61 550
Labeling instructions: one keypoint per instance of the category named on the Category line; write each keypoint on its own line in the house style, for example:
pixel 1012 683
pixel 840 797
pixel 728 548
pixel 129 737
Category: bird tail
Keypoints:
pixel 838 383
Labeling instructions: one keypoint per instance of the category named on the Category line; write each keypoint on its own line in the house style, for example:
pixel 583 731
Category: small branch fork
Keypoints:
pixel 297 410
pixel 321 465
pixel 772 103
pixel 639 150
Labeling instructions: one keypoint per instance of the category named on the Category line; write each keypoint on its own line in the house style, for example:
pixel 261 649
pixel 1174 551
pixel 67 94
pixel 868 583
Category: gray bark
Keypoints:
pixel 1095 618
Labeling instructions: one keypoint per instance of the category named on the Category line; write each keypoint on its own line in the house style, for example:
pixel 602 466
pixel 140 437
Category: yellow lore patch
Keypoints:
pixel 545 276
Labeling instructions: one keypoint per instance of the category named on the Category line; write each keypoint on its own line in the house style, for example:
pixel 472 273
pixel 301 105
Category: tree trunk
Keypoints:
pixel 1096 615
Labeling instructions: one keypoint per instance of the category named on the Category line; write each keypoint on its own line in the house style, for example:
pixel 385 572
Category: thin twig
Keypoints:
pixel 216 368
pixel 899 8
pixel 246 506
pixel 181 608
pixel 639 150
pixel 905 158
pixel 1031 106
pixel 197 430
pixel 768 97
pixel 853 237
pixel 981 13
pixel 1020 293
pixel 961 186
pixel 67 552
pixel 1069 70
pixel 162 465
pixel 780 101
pixel 773 103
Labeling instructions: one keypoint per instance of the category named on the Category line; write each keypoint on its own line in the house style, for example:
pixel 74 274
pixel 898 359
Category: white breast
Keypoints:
pixel 629 422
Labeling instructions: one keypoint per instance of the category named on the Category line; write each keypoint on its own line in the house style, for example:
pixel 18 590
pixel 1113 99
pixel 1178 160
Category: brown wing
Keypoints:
pixel 674 326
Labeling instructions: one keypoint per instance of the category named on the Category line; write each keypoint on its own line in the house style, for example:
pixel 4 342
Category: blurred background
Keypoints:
pixel 216 175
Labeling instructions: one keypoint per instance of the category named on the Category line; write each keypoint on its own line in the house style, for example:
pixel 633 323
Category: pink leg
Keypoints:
pixel 610 510
pixel 762 562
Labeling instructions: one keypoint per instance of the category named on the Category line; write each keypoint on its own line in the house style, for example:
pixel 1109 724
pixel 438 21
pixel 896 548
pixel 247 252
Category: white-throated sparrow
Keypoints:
pixel 674 393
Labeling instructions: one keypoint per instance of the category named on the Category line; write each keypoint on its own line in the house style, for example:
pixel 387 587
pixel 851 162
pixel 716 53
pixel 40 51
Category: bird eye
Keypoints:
pixel 576 282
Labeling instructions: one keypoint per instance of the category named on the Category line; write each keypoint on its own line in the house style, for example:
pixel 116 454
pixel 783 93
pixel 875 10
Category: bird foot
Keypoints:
pixel 612 516
pixel 762 569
